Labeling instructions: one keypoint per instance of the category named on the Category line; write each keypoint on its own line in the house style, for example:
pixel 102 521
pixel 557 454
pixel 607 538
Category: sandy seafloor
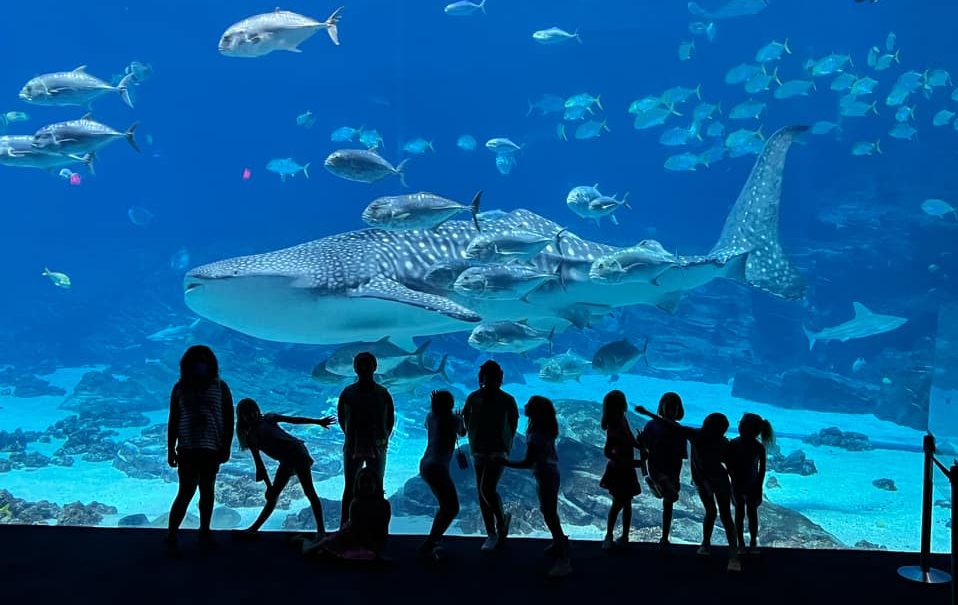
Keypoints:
pixel 840 497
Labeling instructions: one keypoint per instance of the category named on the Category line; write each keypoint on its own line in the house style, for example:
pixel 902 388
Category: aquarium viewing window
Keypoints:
pixel 747 203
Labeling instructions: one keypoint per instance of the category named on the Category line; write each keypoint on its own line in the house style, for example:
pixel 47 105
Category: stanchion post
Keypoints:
pixel 953 478
pixel 924 573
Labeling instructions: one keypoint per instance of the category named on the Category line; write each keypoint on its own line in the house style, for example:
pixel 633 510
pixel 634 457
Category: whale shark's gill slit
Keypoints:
pixel 752 226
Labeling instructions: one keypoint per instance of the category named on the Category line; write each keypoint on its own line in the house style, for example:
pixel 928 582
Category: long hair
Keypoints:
pixel 753 426
pixel 670 407
pixel 247 413
pixel 198 367
pixel 613 408
pixel 542 417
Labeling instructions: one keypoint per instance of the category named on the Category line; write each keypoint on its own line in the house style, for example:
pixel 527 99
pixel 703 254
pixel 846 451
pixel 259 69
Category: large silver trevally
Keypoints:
pixel 369 283
pixel 865 323
pixel 563 367
pixel 75 87
pixel 598 207
pixel 410 374
pixel 417 211
pixel 79 137
pixel 511 245
pixel 501 282
pixel 18 151
pixel 279 30
pixel 508 337
pixel 388 356
pixel 363 166
pixel 617 358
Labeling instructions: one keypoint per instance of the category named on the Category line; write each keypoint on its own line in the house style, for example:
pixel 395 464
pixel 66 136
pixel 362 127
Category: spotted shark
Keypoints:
pixel 371 283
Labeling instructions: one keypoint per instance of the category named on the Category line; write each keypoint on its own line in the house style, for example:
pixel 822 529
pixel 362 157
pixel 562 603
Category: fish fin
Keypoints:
pixel 810 336
pixel 383 288
pixel 531 108
pixel 552 334
pixel 578 38
pixel 598 102
pixel 124 90
pixel 292 49
pixel 87 116
pixel 420 350
pixel 482 6
pixel 474 209
pixel 562 134
pixel 614 220
pixel 441 370
pixel 331 25
pixel 306 169
pixel 785 46
pixel 559 240
pixel 81 69
pixel 861 310
pixel 399 172
pixel 698 91
pixel 753 223
pixel 128 135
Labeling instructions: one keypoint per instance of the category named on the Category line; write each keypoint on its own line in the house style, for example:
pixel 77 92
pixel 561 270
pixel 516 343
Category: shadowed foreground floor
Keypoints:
pixel 85 565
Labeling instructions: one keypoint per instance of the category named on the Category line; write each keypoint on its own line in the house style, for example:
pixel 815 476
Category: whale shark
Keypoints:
pixel 368 284
pixel 865 323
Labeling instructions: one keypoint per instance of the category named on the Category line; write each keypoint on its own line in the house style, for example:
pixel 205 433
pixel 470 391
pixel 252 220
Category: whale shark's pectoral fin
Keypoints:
pixel 387 289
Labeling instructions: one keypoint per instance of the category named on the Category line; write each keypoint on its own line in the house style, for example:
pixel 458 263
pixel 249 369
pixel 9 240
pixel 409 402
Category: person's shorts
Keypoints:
pixel 664 487
pixel 197 462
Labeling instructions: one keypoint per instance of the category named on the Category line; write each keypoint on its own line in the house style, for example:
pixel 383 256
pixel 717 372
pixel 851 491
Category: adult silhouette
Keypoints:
pixel 491 417
pixel 199 437
pixel 367 416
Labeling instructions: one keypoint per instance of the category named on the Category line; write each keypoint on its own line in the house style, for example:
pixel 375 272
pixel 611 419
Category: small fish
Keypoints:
pixel 502 145
pixel 943 118
pixel 912 80
pixel 466 142
pixel 686 50
pixel 885 61
pixel 287 167
pixel 743 137
pixel 772 51
pixel 903 131
pixel 866 148
pixel 858 365
pixel 824 127
pixel 684 162
pixel 712 155
pixel 715 129
pixel 747 110
pixel 680 94
pixel 371 139
pixel 858 109
pixel 904 114
pixel 938 208
pixel 574 114
pixel 547 104
pixel 897 97
pixel 463 8
pixel 700 28
pixel 139 216
pixel 12 117
pixel 583 100
pixel 890 41
pixel 794 88
pixel 864 86
pixel 345 134
pixel 742 73
pixel 418 146
pixel 762 81
pixel 873 54
pixel 676 136
pixel 60 280
pixel 843 82
pixel 705 111
pixel 833 63
pixel 652 117
pixel 937 78
pixel 590 130
pixel 643 105
pixel 306 120
pixel 555 35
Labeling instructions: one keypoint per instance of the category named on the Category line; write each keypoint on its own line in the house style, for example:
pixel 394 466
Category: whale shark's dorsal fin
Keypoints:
pixel 752 225
pixel 861 310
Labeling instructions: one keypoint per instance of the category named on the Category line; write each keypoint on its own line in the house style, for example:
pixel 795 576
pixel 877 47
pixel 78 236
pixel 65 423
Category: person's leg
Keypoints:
pixel 708 524
pixel 283 474
pixel 444 489
pixel 752 525
pixel 740 522
pixel 666 520
pixel 626 519
pixel 725 514
pixel 549 506
pixel 305 476
pixel 481 465
pixel 351 467
pixel 188 480
pixel 489 492
pixel 207 485
pixel 613 517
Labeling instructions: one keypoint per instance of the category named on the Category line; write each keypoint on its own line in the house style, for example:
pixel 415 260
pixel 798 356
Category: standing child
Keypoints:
pixel 541 457
pixel 258 432
pixel 710 476
pixel 619 477
pixel 444 427
pixel 664 446
pixel 746 465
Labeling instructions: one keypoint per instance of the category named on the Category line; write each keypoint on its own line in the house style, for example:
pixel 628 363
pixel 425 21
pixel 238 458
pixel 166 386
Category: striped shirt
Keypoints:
pixel 202 416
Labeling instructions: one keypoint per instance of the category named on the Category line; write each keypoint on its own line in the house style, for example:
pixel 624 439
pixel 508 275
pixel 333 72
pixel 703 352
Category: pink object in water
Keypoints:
pixel 247 174
pixel 75 179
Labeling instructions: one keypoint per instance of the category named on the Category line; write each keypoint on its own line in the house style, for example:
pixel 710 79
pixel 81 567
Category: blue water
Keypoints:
pixel 409 70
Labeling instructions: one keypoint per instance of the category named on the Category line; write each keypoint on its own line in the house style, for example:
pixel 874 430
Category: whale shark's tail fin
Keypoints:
pixel 752 225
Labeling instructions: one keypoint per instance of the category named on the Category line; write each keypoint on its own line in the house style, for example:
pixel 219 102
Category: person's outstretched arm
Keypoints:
pixel 325 421
pixel 172 429
pixel 527 462
pixel 228 418
pixel 686 430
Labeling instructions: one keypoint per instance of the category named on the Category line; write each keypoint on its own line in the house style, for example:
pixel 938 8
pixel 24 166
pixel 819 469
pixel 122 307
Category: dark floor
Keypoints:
pixel 78 565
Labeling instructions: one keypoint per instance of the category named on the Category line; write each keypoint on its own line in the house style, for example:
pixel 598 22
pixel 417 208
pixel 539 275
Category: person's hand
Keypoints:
pixel 326 421
pixel 171 458
pixel 641 410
